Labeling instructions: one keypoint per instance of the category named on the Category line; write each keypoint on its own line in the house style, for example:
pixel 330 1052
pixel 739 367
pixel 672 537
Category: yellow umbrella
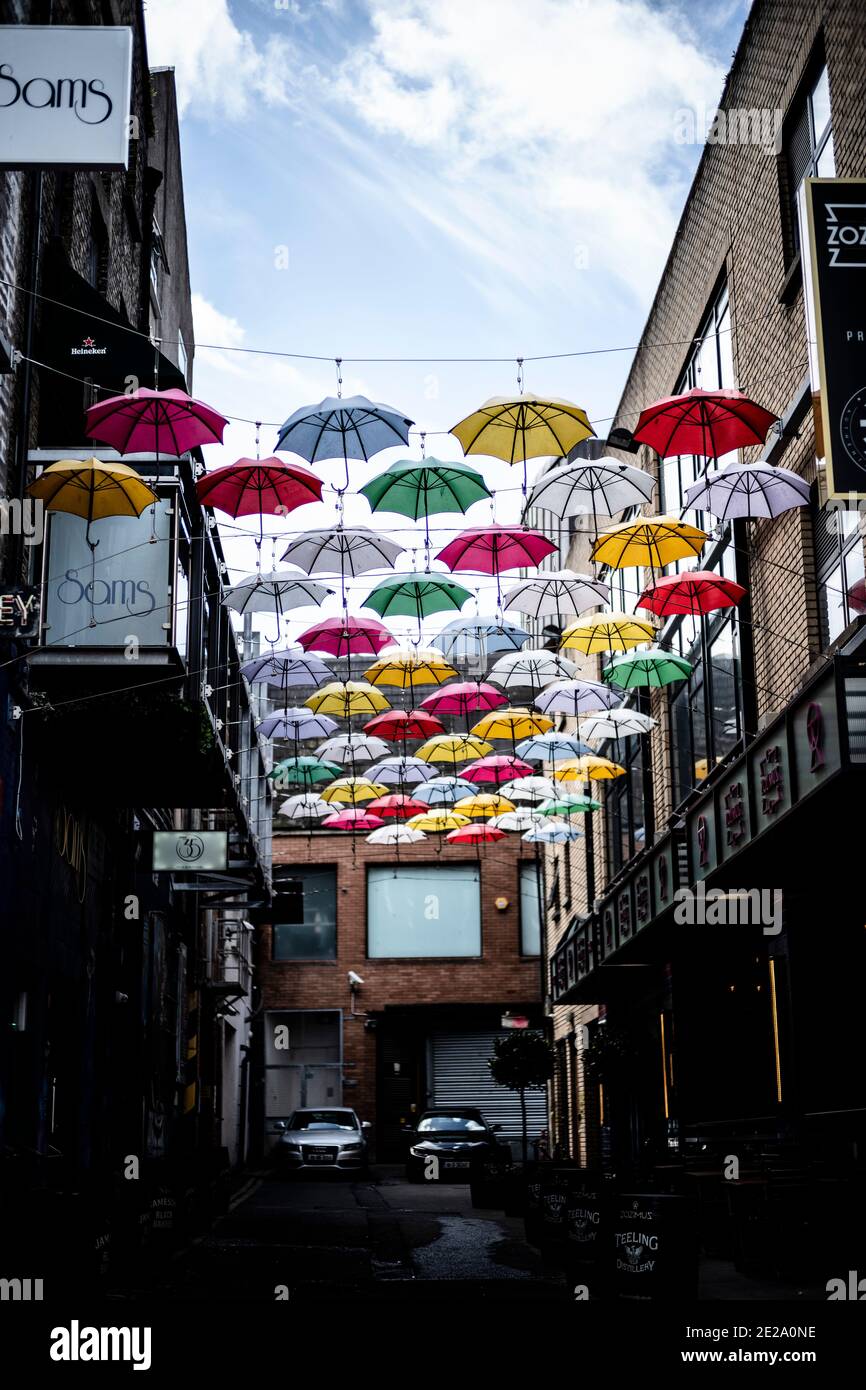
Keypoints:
pixel 483 806
pixel 587 769
pixel 352 790
pixel 517 428
pixel 607 632
pixel 407 667
pixel 437 822
pixel 453 748
pixel 92 489
pixel 512 723
pixel 648 541
pixel 347 698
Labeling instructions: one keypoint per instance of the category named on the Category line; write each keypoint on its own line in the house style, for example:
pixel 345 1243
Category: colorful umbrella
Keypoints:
pixel 523 427
pixel 351 790
pixel 607 632
pixel 589 768
pixel 603 486
pixel 166 422
pixel 92 489
pixel 298 723
pixel 453 748
pixel 401 725
pixel 416 595
pixel 512 724
pixel 396 806
pixel 559 805
pixel 515 820
pixel 396 835
pixel 694 591
pixel 302 772
pixel 305 806
pixel 406 772
pixel 483 805
pixel 353 819
pixel 616 724
pixel 421 489
pixel 648 541
pixel 546 747
pixel 286 668
pixel 557 594
pixel 479 638
pixel 474 835
pixel 653 667
pixel 495 549
pixel 530 670
pixel 346 636
pixel 251 487
pixel 556 833
pixel 346 699
pixel 352 748
pixel 495 769
pixel 462 698
pixel 750 490
pixel 437 822
pixel 530 789
pixel 343 428
pixel 444 791
pixel 406 667
pixel 575 698
pixel 707 423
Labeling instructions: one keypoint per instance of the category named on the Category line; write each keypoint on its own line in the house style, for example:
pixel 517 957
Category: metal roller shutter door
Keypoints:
pixel 461 1076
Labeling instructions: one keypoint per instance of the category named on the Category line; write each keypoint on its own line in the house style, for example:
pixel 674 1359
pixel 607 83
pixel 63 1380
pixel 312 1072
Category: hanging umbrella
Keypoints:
pixel 277 592
pixel 346 636
pixel 416 595
pixel 555 833
pixel 396 806
pixel 406 772
pixel 653 667
pixel 603 486
pixel 351 790
pixel 352 748
pixel 298 724
pixel 406 667
pixel 396 835
pixel 346 699
pixel 546 747
pixel 92 490
pixel 708 423
pixel 305 806
pixel 694 591
pixel 343 428
pixel 342 550
pixel 649 542
pixel 286 668
pixel 303 772
pixel 521 820
pixel 531 669
pixel 588 768
pixel 353 819
pixel 495 769
pixel 575 697
pixel 557 594
pixel 561 805
pixel 415 489
pixel 167 422
pixel 443 791
pixel 530 789
pixel 399 725
pixel 512 724
pixel 453 748
pixel 251 487
pixel 523 427
pixel 437 822
pixel 483 805
pixel 462 698
pixel 616 724
pixel 750 490
pixel 474 835
pixel 607 632
pixel 480 638
pixel 495 549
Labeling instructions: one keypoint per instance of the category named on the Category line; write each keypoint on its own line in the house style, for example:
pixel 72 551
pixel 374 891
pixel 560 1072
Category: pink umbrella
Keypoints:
pixel 352 820
pixel 252 487
pixel 495 549
pixel 347 636
pixel 496 768
pixel 461 698
pixel 168 422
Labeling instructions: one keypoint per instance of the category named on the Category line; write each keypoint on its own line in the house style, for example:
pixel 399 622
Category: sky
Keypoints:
pixel 428 179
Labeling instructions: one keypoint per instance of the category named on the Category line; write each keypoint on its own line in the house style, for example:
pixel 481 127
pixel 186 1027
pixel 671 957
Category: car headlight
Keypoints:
pixel 290 1144
pixel 418 1153
pixel 352 1148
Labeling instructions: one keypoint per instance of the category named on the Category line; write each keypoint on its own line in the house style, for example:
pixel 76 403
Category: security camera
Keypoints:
pixel 354 980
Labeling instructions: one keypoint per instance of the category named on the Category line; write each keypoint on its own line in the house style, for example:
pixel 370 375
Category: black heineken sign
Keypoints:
pixel 837 234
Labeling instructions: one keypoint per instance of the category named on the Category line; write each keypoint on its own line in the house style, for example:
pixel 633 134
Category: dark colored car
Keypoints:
pixel 322 1140
pixel 444 1143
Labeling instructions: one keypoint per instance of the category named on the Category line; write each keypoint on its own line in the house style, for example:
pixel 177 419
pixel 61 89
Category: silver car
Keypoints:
pixel 322 1140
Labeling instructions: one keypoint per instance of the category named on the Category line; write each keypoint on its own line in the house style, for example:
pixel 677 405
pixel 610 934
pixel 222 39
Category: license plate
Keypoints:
pixel 456 1163
pixel 319 1156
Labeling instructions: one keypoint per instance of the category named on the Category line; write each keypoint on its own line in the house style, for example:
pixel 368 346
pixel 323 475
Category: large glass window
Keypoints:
pixel 707 711
pixel 530 921
pixel 305 915
pixel 839 565
pixel 624 803
pixel 808 145
pixel 424 911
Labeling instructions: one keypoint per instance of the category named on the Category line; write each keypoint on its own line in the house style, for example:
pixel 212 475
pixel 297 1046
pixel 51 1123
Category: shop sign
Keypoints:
pixel 771 780
pixel 190 849
pixel 702 841
pixel 624 916
pixel 817 745
pixel 19 612
pixel 732 813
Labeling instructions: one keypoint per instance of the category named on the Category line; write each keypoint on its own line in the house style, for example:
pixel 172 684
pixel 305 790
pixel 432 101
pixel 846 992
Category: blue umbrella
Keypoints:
pixel 288 667
pixel 343 428
pixel 297 723
pixel 550 746
pixel 443 791
pixel 475 637
pixel 555 833
pixel 394 771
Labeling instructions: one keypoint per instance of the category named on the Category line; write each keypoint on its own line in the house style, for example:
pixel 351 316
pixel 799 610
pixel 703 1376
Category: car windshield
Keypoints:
pixel 323 1119
pixel 451 1123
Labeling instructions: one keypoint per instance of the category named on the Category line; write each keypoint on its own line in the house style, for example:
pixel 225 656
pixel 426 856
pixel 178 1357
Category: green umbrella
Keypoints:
pixel 652 666
pixel 568 806
pixel 303 772
pixel 418 489
pixel 416 595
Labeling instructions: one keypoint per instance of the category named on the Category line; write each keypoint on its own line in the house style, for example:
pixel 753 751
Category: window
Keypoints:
pixel 839 565
pixel 305 915
pixel 808 145
pixel 182 359
pixel 424 911
pixel 530 917
pixel 624 804
pixel 706 712
pixel 96 271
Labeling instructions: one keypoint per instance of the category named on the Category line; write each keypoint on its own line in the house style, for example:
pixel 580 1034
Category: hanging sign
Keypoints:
pixel 836 211
pixel 65 96
pixel 190 849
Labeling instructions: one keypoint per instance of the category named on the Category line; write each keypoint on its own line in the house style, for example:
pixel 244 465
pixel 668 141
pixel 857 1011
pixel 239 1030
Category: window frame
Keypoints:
pixel 396 870
pixel 299 873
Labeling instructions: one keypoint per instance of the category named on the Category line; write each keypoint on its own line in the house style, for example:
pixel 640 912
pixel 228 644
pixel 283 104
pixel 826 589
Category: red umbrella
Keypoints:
pixel 396 806
pixel 462 698
pixel 708 423
pixel 695 591
pixel 252 487
pixel 474 835
pixel 494 549
pixel 496 768
pixel 403 724
pixel 352 820
pixel 347 637
pixel 168 422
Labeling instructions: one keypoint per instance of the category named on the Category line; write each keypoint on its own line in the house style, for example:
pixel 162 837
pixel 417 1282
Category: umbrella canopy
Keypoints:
pixel 557 594
pixel 463 698
pixel 512 724
pixel 750 490
pixel 343 550
pixel 400 725
pixel 575 698
pixel 453 748
pixel 286 668
pixel 653 667
pixel 354 819
pixel 559 805
pixel 421 489
pixel 251 487
pixel 474 638
pixel 694 591
pixel 346 636
pixel 530 669
pixel 474 835
pixel 92 489
pixel 607 632
pixel 495 549
pixel 276 592
pixel 416 595
pixel 304 806
pixel 166 422
pixel 406 667
pixel 443 791
pixel 437 822
pixel 648 541
pixel 555 833
pixel 588 768
pixel 351 790
pixel 396 806
pixel 617 723
pixel 708 423
pixel 303 772
pixel 298 724
pixel 496 769
pixel 529 789
pixel 347 699
pixel 352 748
pixel 546 747
pixel 350 427
pixel 523 427
pixel 521 820
pixel 406 772
pixel 602 486
pixel 396 835
pixel 483 805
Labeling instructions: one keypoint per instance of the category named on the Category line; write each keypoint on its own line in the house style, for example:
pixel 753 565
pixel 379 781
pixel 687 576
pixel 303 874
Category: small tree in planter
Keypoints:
pixel 522 1062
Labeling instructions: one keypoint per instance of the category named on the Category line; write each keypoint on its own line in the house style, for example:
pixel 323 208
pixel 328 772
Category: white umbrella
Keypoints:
pixel 522 819
pixel 297 723
pixel 408 771
pixel 602 486
pixel 275 592
pixel 617 723
pixel 290 667
pixel 748 490
pixel 304 806
pixel 557 593
pixel 351 748
pixel 343 550
pixel 533 669
pixel 395 835
pixel 529 789
pixel 443 791
pixel 554 832
pixel 576 697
